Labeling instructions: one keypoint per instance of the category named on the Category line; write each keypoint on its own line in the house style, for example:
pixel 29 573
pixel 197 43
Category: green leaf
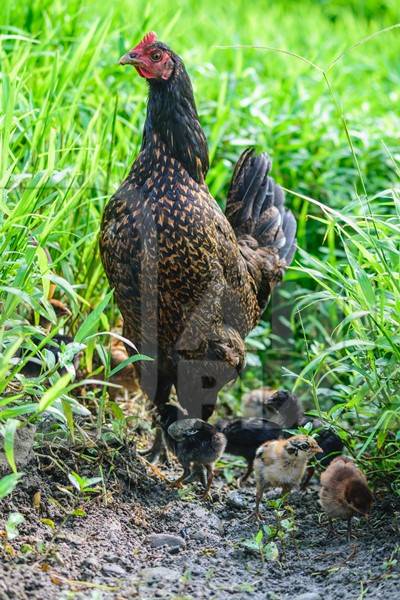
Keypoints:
pixel 53 393
pixel 49 522
pixel 93 319
pixel 259 536
pixel 128 361
pixel 76 480
pixel 14 519
pixel 271 551
pixel 8 483
pixel 8 431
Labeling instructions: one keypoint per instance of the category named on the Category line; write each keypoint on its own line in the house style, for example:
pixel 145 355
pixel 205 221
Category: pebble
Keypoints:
pixel 157 540
pixel 236 500
pixel 70 538
pixel 113 570
pixel 309 596
pixel 158 574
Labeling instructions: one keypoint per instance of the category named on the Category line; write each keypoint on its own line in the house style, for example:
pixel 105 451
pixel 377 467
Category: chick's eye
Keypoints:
pixel 156 56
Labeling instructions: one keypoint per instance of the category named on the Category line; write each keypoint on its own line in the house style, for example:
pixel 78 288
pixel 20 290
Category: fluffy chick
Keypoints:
pixel 280 406
pixel 331 446
pixel 282 463
pixel 196 444
pixel 344 492
pixel 284 409
pixel 245 436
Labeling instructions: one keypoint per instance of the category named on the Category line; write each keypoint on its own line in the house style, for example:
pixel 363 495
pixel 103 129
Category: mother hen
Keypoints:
pixel 190 282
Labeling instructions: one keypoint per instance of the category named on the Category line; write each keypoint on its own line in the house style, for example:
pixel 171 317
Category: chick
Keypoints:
pixel 281 463
pixel 198 444
pixel 245 436
pixel 284 409
pixel 279 406
pixel 331 446
pixel 344 492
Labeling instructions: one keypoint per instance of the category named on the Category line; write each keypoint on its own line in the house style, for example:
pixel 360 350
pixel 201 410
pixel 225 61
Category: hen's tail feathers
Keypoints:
pixel 256 210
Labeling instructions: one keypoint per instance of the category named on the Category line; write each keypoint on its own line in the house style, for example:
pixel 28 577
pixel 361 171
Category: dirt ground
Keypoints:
pixel 142 539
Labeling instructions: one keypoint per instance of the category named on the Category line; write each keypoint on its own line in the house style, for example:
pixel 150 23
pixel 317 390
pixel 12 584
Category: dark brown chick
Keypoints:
pixel 196 443
pixel 191 282
pixel 344 492
pixel 279 406
pixel 282 463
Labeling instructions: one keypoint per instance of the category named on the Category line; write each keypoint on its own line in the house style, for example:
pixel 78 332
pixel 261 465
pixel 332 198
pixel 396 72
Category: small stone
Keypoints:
pixel 113 570
pixel 159 574
pixel 70 538
pixel 309 596
pixel 157 540
pixel 90 562
pixel 199 536
pixel 236 500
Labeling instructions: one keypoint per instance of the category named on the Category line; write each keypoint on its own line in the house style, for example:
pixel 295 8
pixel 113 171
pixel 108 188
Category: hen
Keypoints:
pixel 190 282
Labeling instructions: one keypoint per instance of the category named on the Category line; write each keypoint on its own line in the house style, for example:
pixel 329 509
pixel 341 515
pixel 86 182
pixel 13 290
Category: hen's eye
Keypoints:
pixel 156 56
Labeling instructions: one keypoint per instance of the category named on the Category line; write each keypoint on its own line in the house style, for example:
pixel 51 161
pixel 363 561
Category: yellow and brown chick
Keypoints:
pixel 282 463
pixel 284 409
pixel 344 492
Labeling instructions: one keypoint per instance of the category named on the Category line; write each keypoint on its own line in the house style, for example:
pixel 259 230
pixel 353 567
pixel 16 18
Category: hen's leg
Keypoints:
pixel 161 399
pixel 153 454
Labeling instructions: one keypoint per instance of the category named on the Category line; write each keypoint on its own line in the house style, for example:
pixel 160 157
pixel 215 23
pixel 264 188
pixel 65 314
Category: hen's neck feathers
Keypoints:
pixel 172 125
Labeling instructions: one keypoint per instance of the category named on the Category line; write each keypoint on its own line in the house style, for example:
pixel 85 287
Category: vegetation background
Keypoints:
pixel 317 84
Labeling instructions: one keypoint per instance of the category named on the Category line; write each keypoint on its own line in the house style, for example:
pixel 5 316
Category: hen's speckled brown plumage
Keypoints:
pixel 189 283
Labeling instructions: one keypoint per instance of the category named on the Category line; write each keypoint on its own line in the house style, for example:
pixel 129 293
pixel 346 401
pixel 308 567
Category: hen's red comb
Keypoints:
pixel 148 39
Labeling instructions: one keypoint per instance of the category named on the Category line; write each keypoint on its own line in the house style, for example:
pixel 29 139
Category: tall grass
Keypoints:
pixel 71 125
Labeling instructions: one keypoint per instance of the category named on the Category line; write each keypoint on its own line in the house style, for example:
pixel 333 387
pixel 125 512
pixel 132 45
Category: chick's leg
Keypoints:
pixel 259 495
pixel 210 477
pixel 186 473
pixel 349 529
pixel 245 477
pixel 307 477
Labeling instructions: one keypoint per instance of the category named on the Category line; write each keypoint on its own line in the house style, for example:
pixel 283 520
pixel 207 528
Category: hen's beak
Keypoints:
pixel 130 58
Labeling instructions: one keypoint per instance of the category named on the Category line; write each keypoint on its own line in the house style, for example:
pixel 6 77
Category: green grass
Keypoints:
pixel 71 125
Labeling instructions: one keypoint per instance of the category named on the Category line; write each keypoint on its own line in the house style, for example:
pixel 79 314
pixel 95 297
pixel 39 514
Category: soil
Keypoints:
pixel 138 538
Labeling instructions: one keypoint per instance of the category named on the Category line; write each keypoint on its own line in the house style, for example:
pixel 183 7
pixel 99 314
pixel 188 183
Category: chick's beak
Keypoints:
pixel 318 449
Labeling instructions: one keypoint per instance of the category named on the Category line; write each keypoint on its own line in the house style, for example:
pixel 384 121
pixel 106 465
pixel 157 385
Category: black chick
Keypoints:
pixel 331 445
pixel 245 436
pixel 196 444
